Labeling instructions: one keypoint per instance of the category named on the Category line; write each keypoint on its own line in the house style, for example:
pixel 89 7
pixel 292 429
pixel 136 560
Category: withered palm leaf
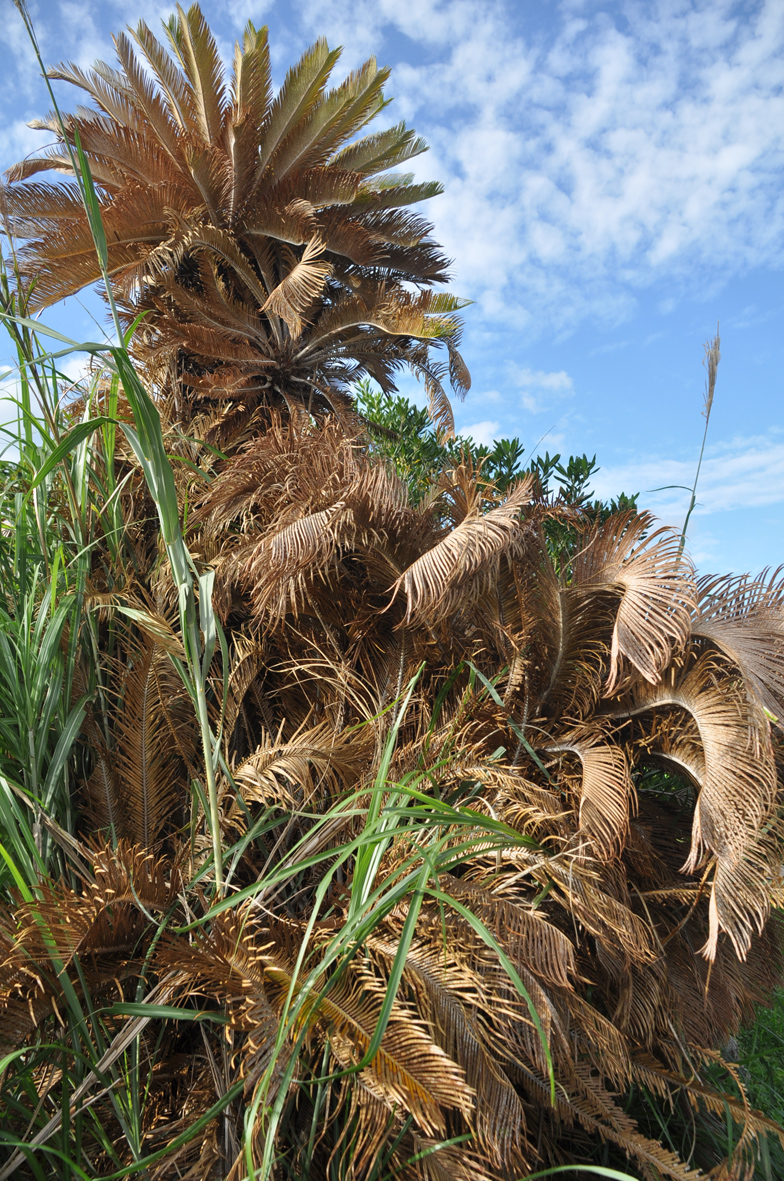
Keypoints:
pixel 155 740
pixel 312 765
pixel 744 618
pixel 607 792
pixel 448 995
pixel 656 586
pixel 465 562
pixel 606 676
pixel 731 760
pixel 253 966
pixel 86 939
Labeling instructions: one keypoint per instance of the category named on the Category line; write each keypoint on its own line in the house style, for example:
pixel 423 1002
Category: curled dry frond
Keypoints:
pixel 80 941
pixel 570 632
pixel 447 994
pixel 364 515
pixel 465 562
pixel 308 768
pixel 744 618
pixel 730 758
pixel 523 932
pixel 656 588
pixel 301 287
pixel 607 793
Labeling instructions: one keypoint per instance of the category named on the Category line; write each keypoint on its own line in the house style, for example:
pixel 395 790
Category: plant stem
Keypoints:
pixel 711 361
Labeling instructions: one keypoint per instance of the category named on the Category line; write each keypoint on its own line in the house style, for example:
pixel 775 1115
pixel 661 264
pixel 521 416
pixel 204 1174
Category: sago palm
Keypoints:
pixel 268 245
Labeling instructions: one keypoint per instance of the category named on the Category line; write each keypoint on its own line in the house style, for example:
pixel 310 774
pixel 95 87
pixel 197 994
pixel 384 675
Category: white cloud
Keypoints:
pixel 485 433
pixel 20 141
pixel 745 473
pixel 581 169
pixel 539 389
pixel 76 369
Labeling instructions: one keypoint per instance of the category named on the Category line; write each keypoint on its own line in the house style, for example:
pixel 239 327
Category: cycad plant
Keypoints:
pixel 456 922
pixel 386 837
pixel 270 248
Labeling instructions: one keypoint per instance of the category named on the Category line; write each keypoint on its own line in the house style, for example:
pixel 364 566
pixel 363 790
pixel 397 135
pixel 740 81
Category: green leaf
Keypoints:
pixel 15 874
pixel 75 436
pixel 91 204
pixel 516 730
pixel 166 1012
pixel 68 736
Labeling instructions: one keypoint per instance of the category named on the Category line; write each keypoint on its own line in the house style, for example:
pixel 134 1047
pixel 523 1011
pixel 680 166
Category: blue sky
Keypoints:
pixel 614 189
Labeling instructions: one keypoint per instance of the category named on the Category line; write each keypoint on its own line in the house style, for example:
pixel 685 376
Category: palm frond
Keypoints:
pixel 198 55
pixel 300 288
pixel 272 175
pixel 312 765
pixel 655 586
pixel 151 729
pixel 465 560
pixel 607 791
pixel 730 758
pixel 744 618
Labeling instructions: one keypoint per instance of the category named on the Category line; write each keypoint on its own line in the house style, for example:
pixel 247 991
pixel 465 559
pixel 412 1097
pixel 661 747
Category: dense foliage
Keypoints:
pixel 403 433
pixel 369 806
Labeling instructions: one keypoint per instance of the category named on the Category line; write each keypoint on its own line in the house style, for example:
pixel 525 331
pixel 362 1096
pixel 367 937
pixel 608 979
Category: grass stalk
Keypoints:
pixel 711 362
pixel 149 447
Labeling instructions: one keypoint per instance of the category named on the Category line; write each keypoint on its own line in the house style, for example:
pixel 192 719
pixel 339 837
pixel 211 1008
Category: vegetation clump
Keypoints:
pixel 369 808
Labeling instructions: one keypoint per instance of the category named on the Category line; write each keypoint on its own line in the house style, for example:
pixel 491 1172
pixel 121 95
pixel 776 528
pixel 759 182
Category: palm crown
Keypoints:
pixel 272 251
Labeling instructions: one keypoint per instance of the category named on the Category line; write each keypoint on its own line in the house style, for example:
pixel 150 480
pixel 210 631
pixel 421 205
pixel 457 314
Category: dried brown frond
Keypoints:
pixel 245 225
pixel 731 759
pixel 252 967
pixel 465 562
pixel 656 589
pixel 308 768
pixel 744 618
pixel 607 794
pixel 103 927
pixel 446 994
pixel 153 727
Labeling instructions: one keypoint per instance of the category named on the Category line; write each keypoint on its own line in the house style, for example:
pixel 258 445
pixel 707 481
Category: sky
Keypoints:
pixel 614 190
